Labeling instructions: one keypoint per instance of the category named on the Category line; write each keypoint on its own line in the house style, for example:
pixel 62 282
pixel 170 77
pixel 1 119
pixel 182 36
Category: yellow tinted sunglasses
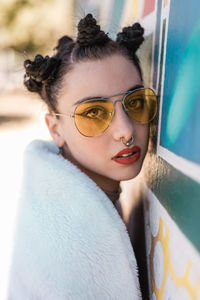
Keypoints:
pixel 92 117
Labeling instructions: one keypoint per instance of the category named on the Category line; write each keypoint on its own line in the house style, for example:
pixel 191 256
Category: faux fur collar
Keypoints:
pixel 70 241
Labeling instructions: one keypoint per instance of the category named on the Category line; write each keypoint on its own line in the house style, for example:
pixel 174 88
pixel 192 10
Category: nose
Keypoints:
pixel 122 125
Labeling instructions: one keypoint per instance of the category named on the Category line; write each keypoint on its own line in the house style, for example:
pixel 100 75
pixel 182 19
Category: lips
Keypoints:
pixel 128 155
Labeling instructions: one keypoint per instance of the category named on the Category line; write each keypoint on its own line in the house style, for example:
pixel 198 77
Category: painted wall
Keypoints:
pixel 171 62
pixel 172 169
pixel 172 205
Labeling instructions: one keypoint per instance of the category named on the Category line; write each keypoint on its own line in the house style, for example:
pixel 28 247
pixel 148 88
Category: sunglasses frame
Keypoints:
pixel 113 104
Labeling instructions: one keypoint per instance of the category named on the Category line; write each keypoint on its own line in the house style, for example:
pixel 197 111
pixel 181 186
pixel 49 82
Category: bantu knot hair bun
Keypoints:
pixel 41 68
pixel 38 71
pixel 131 37
pixel 62 42
pixel 89 32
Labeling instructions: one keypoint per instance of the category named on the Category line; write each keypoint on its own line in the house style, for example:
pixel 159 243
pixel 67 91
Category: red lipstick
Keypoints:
pixel 128 155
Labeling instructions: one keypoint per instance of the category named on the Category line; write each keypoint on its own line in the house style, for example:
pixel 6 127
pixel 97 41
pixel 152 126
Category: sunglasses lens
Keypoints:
pixel 141 105
pixel 93 117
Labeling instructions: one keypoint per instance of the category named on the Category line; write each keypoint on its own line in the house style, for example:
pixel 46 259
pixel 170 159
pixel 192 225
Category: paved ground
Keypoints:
pixel 21 120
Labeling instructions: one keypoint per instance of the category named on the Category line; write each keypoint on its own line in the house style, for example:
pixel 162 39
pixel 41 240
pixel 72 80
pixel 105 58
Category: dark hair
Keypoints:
pixel 44 75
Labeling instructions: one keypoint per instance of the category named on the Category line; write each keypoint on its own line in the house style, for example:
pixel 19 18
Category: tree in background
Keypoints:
pixel 31 26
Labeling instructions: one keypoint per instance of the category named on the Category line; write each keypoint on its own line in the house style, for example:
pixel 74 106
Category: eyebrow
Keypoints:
pixel 135 87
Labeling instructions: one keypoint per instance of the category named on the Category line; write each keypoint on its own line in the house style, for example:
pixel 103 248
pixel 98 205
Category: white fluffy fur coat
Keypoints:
pixel 70 240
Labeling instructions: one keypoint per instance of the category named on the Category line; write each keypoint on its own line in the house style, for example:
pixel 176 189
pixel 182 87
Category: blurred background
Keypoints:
pixel 27 27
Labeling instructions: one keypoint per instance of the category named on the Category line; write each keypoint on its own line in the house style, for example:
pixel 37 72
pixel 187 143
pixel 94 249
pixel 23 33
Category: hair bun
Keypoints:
pixel 89 32
pixel 131 37
pixel 62 42
pixel 39 70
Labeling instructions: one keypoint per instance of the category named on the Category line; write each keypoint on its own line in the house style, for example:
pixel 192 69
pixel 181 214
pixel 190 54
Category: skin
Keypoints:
pixel 93 155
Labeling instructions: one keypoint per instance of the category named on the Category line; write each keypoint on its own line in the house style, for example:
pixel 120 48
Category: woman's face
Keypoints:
pixel 94 155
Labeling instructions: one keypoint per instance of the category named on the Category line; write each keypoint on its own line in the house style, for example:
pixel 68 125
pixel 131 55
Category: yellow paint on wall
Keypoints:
pixel 130 12
pixel 135 8
pixel 166 2
pixel 183 281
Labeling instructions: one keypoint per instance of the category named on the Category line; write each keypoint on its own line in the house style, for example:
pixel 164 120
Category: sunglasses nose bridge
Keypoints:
pixel 113 107
pixel 123 106
pixel 118 100
pixel 122 102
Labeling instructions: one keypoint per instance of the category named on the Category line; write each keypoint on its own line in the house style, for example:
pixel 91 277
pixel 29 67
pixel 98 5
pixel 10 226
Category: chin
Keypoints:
pixel 128 174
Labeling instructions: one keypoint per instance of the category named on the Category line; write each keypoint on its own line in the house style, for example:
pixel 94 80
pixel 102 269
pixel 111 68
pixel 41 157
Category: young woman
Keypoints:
pixel 70 241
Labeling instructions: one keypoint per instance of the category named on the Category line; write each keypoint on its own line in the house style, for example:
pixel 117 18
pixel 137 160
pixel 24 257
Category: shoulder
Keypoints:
pixel 47 174
pixel 66 225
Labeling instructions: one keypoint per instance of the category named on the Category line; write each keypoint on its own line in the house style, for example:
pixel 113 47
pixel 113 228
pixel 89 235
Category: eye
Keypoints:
pixel 136 103
pixel 95 113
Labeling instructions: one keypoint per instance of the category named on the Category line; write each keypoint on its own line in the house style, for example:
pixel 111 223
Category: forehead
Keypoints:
pixel 93 78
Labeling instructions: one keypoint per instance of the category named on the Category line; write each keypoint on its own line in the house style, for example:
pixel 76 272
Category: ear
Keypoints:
pixel 55 130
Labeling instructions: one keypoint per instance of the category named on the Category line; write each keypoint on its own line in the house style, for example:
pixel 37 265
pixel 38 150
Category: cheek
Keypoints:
pixel 83 147
pixel 147 133
pixel 143 135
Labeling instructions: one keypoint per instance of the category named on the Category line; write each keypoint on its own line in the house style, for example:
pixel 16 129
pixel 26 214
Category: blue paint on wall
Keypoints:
pixel 157 44
pixel 180 112
pixel 115 17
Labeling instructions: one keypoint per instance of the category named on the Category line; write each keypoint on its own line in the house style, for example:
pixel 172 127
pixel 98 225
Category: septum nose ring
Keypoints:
pixel 129 143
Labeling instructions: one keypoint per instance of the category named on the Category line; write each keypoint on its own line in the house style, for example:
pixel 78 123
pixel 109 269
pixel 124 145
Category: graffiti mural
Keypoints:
pixel 174 264
pixel 181 91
